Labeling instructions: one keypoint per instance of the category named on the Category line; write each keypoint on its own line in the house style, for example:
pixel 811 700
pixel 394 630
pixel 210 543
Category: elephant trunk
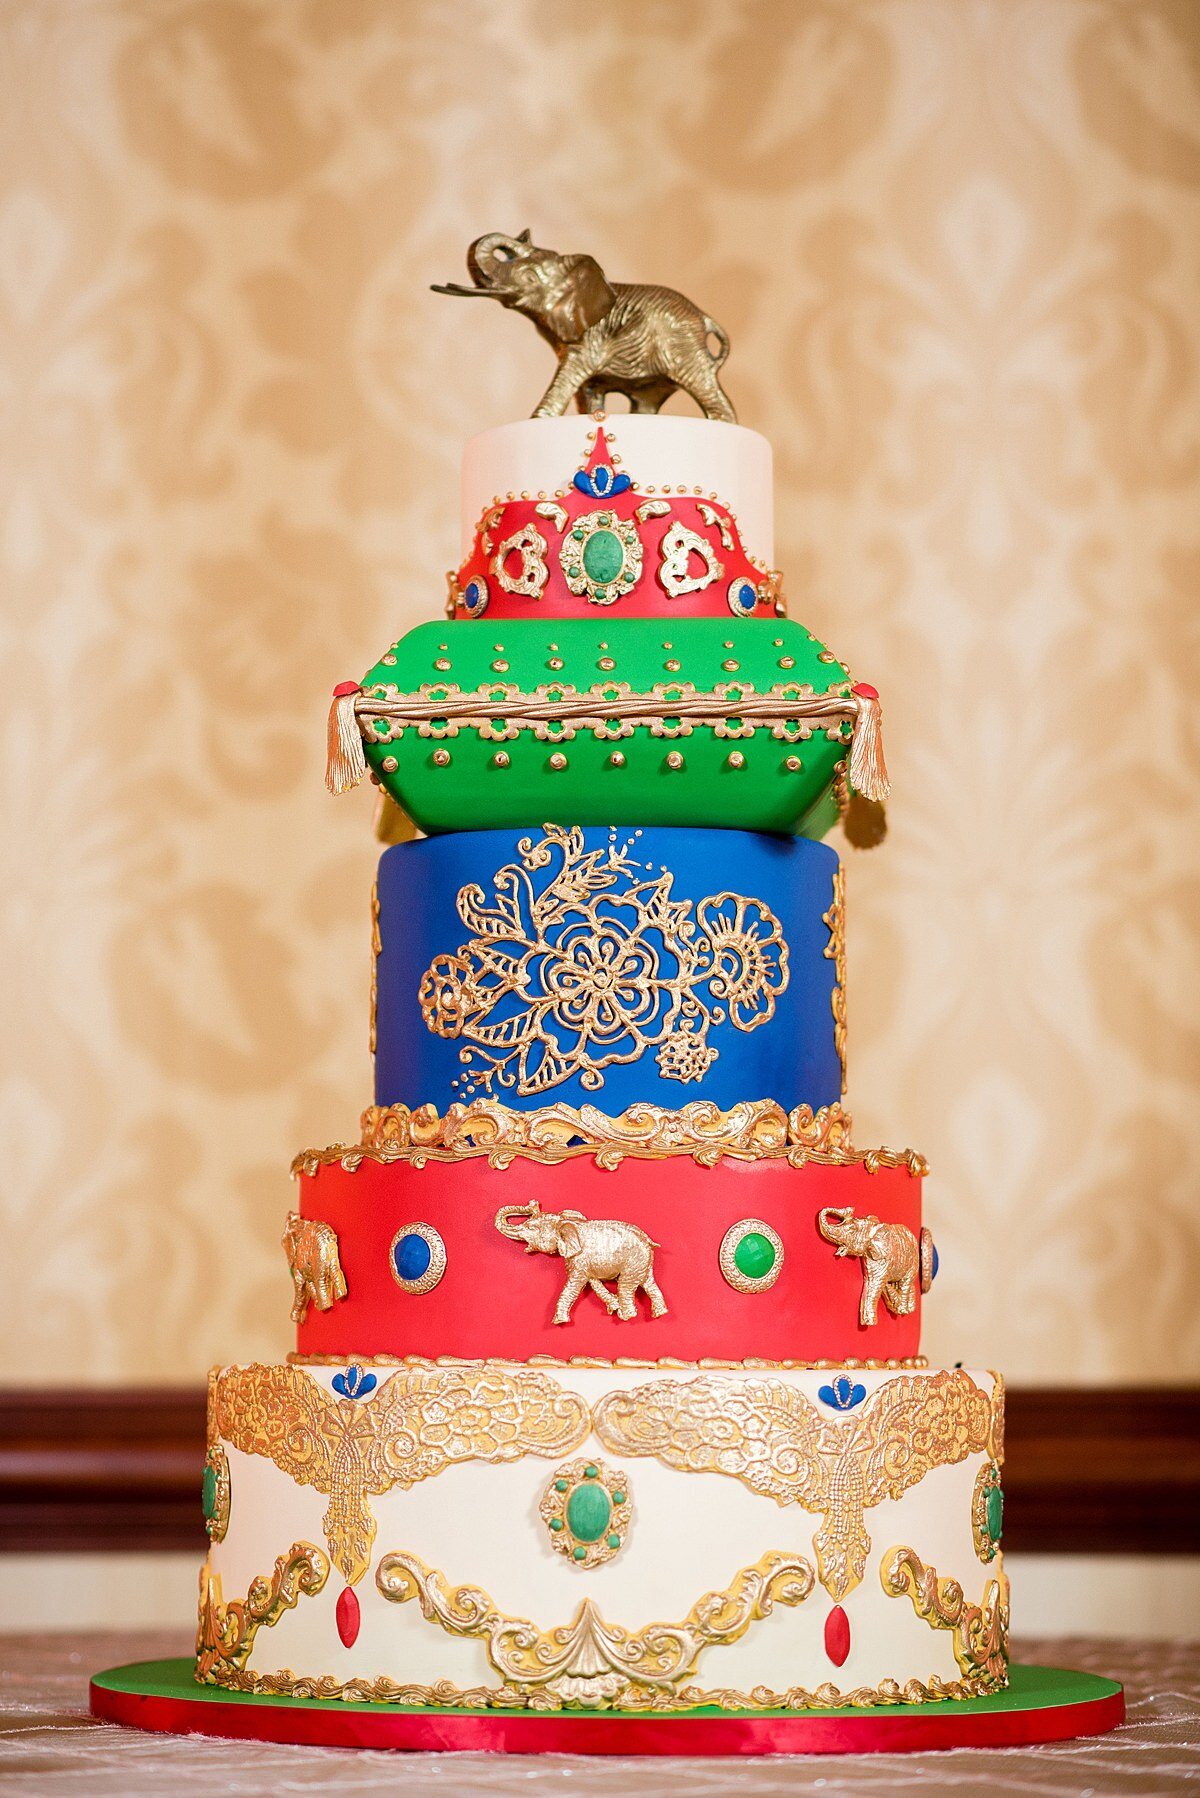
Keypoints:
pixel 512 1231
pixel 488 255
pixel 834 1225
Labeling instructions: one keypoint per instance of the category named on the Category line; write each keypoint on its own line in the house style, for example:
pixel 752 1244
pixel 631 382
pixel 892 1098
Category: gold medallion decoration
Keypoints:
pixel 987 1512
pixel 601 556
pixel 417 1258
pixel 889 1254
pixel 226 1631
pixel 588 1661
pixel 775 1440
pixel 594 964
pixel 311 1248
pixel 215 1492
pixel 678 547
pixel 751 1255
pixel 531 577
pixel 980 1631
pixel 835 951
pixel 593 1250
pixel 587 1511
pixel 416 1424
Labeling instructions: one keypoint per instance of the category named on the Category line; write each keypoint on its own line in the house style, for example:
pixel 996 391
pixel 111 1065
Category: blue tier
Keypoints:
pixel 605 966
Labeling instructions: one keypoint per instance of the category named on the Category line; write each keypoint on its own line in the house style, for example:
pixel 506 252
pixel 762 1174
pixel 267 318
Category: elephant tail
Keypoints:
pixel 713 329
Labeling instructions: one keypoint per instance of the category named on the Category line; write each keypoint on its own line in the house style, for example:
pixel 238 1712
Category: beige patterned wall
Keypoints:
pixel 957 245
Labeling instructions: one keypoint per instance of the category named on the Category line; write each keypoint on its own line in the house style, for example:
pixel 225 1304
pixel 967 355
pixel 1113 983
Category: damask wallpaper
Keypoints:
pixel 957 248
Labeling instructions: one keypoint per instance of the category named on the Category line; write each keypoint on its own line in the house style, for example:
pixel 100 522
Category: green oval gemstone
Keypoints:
pixel 556 1523
pixel 995 1513
pixel 754 1255
pixel 579 1554
pixel 588 1511
pixel 560 1485
pixel 603 557
pixel 618 1498
pixel 208 1492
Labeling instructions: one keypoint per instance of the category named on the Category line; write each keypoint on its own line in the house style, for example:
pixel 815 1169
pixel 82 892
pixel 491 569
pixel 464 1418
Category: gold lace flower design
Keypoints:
pixel 567 975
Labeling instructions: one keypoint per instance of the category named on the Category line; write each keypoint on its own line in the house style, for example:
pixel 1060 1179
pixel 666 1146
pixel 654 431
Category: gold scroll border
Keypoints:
pixel 755 1130
pixel 226 1636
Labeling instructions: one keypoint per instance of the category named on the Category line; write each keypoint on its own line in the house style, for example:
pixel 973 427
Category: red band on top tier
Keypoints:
pixel 598 543
pixel 474 1292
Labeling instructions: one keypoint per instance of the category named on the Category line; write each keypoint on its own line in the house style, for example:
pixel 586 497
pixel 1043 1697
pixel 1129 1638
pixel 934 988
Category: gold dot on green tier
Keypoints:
pixel 442 665
pixel 730 667
pixel 793 764
pixel 554 662
pixel 675 760
pixel 390 764
pixel 500 759
pixel 558 760
pixel 787 662
pixel 735 759
pixel 500 667
pixel 389 661
pixel 605 662
pixel 441 758
pixel 616 759
pixel 672 667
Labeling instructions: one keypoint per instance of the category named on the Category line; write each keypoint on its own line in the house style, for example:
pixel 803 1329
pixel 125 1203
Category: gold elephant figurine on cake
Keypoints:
pixel 312 1251
pixel 889 1254
pixel 609 336
pixel 594 1249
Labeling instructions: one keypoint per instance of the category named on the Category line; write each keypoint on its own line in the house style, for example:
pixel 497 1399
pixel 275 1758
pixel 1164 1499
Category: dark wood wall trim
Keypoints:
pixel 1114 1470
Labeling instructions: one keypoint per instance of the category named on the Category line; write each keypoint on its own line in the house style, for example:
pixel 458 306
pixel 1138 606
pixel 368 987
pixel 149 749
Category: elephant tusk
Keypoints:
pixel 462 293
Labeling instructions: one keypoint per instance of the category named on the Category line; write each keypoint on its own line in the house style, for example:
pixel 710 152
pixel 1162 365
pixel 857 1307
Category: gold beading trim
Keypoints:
pixel 980 1631
pixel 589 1661
pixel 410 1430
pixel 775 1440
pixel 709 1363
pixel 226 1632
pixel 755 1130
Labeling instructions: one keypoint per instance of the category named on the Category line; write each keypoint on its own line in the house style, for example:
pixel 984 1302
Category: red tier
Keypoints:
pixel 495 1298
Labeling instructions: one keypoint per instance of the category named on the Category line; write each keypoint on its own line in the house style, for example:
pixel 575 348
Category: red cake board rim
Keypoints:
pixel 1041 1704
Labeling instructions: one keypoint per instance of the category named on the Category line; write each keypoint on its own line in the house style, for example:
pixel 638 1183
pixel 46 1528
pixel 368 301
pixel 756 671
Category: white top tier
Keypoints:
pixel 542 454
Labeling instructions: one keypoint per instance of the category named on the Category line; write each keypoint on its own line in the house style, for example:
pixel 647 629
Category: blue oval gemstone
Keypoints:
pixel 933 1265
pixel 412 1256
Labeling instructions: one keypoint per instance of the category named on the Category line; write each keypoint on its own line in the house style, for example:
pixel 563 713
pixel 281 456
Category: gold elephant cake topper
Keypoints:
pixel 594 1250
pixel 609 336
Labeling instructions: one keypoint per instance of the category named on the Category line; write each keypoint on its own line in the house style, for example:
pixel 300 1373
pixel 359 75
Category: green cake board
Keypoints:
pixel 1040 1704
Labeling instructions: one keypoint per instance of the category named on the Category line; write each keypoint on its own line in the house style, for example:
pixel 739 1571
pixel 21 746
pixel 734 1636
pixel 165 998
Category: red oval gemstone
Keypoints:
pixel 349 1616
pixel 865 690
pixel 837 1636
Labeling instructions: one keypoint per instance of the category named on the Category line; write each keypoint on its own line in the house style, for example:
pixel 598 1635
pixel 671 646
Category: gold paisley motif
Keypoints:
pixel 980 1631
pixel 226 1632
pixel 588 1661
pixel 417 1424
pixel 776 1441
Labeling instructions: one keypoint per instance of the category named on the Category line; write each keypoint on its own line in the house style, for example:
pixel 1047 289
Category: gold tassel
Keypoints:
pixel 346 763
pixel 868 770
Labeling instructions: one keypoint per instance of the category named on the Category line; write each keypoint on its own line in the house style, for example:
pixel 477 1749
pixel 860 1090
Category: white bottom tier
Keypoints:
pixel 641 1537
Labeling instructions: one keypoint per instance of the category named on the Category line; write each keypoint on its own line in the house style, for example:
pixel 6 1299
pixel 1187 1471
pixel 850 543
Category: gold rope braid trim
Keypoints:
pixel 979 1631
pixel 755 1130
pixel 707 1363
pixel 226 1632
pixel 590 1661
pixel 611 710
pixel 835 951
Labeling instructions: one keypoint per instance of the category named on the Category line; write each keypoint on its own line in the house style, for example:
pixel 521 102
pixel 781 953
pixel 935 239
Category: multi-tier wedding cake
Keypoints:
pixel 607 1391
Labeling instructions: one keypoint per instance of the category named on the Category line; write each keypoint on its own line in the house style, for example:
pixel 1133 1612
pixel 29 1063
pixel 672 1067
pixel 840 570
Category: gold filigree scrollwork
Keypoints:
pixel 775 1440
pixel 720 520
pixel 677 548
pixel 835 951
pixel 226 1631
pixel 550 508
pixel 588 1661
pixel 652 508
pixel 747 1131
pixel 593 965
pixel 530 578
pixel 416 1425
pixel 979 1631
